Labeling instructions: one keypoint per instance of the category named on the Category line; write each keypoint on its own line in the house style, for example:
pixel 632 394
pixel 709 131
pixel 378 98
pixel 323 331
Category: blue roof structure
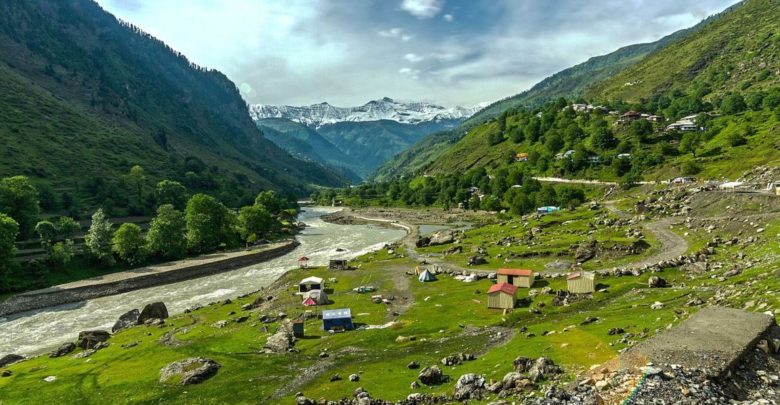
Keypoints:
pixel 336 313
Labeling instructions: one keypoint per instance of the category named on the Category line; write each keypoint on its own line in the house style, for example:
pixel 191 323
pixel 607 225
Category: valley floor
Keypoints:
pixel 730 255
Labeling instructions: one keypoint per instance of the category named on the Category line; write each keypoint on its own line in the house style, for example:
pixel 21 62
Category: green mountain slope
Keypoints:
pixel 84 97
pixel 569 83
pixel 739 53
pixel 306 144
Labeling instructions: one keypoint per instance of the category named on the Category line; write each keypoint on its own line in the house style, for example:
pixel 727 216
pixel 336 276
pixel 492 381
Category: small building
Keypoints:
pixel 565 155
pixel 426 276
pixel 629 116
pixel 547 209
pixel 502 296
pixel 655 118
pixel 624 156
pixel 581 282
pixel 682 180
pixel 338 264
pixel 337 319
pixel 311 283
pixel 303 262
pixel 521 157
pixel 522 278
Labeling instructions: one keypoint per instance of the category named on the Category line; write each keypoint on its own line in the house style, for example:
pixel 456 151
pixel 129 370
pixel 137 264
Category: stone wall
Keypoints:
pixel 53 296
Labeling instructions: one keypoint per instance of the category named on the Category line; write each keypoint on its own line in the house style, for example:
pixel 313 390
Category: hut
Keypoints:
pixel 502 296
pixel 337 319
pixel 315 297
pixel 338 264
pixel 581 282
pixel 311 283
pixel 426 276
pixel 523 278
pixel 297 327
pixel 303 262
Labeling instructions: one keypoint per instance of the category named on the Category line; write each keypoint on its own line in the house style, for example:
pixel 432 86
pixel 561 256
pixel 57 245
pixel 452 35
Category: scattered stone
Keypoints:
pixel 50 378
pixel 6 373
pixel 430 375
pixel 85 353
pixel 282 341
pixel 127 320
pixel 189 371
pixel 354 377
pixel 63 350
pixel 335 377
pixel 616 331
pixel 155 310
pixel 90 338
pixel 469 386
pixel 413 365
pixel 589 320
pixel 657 305
pixel 219 324
pixel 656 282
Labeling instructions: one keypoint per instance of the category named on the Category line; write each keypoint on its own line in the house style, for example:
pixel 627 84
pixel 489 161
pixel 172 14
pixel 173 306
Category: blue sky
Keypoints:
pixel 452 52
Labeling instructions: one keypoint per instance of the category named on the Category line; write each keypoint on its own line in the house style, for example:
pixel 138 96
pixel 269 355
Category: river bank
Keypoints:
pixel 143 277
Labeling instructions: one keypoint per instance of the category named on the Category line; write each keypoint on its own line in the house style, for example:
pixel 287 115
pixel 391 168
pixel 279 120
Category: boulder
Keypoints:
pixel 469 386
pixel 281 341
pixel 90 338
pixel 431 375
pixel 656 282
pixel 127 319
pixel 586 251
pixel 413 365
pixel 10 359
pixel 155 310
pixel 476 260
pixel 453 250
pixel 441 238
pixel 354 377
pixel 6 373
pixel 63 350
pixel 657 305
pixel 189 371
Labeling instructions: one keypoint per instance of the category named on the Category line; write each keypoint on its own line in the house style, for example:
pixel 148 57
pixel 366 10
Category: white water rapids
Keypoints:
pixel 33 332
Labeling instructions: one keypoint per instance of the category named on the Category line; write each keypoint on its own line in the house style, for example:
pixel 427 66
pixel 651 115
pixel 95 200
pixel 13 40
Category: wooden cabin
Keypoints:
pixel 338 264
pixel 522 278
pixel 502 296
pixel 581 282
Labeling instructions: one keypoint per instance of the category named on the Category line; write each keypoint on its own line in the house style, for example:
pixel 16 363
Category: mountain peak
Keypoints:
pixel 386 108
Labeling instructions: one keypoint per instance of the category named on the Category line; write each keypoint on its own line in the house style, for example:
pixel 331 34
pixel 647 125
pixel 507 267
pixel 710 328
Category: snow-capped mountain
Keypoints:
pixel 317 115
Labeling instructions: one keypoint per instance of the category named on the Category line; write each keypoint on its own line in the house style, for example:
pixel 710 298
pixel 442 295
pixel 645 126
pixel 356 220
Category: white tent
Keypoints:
pixel 426 276
pixel 311 283
pixel 317 296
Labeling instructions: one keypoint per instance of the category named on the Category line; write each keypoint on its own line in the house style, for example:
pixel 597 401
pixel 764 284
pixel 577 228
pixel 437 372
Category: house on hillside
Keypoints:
pixel 547 209
pixel 565 155
pixel 581 282
pixel 630 116
pixel 655 118
pixel 522 278
pixel 684 124
pixel 521 157
pixel 338 264
pixel 502 296
pixel 311 283
pixel 337 320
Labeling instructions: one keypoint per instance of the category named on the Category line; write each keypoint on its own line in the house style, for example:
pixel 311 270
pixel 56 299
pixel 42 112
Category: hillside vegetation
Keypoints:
pixel 85 97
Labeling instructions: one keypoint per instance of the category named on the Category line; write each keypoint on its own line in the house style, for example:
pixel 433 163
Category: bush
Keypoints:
pixel 62 252
pixel 690 168
pixel 129 243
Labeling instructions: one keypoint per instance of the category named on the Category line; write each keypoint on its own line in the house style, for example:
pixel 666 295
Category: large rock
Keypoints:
pixel 469 386
pixel 63 350
pixel 656 282
pixel 476 260
pixel 431 375
pixel 90 338
pixel 442 238
pixel 586 251
pixel 189 371
pixel 127 319
pixel 155 310
pixel 9 359
pixel 281 341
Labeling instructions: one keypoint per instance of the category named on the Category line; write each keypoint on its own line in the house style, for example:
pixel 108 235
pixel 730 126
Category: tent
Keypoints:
pixel 310 283
pixel 426 276
pixel 318 296
pixel 303 262
pixel 309 302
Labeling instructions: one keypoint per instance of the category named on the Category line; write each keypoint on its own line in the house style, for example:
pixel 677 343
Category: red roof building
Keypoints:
pixel 518 277
pixel 503 287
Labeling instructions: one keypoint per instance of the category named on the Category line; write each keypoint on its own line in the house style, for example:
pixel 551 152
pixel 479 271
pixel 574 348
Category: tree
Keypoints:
pixel 495 137
pixel 167 233
pixel 733 104
pixel 136 181
pixel 67 227
pixel 62 252
pixel 171 192
pixel 270 201
pixel 208 223
pixel 47 232
pixel 19 200
pixel 690 142
pixel 641 129
pixel 129 244
pixel 254 220
pixel 9 229
pixel 98 238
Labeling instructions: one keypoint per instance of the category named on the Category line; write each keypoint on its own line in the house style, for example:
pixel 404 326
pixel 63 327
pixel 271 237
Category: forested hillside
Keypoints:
pixel 84 97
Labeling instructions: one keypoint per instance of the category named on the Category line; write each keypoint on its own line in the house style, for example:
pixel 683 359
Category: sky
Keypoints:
pixel 450 52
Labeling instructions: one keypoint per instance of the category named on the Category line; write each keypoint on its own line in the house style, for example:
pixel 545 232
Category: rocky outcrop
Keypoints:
pixel 10 359
pixel 63 350
pixel 189 371
pixel 469 386
pixel 282 341
pixel 91 338
pixel 127 320
pixel 155 310
pixel 586 251
pixel 431 375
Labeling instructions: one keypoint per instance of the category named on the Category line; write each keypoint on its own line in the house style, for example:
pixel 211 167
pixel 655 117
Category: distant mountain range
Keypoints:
pixel 405 112
pixel 354 140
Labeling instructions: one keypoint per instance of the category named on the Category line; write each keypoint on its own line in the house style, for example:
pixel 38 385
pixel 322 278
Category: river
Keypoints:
pixel 34 332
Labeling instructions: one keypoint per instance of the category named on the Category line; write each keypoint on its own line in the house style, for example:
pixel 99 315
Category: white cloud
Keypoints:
pixel 423 8
pixel 391 33
pixel 448 17
pixel 410 57
pixel 412 73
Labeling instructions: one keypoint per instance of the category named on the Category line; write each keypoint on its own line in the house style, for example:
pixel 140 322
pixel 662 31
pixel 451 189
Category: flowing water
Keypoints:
pixel 33 332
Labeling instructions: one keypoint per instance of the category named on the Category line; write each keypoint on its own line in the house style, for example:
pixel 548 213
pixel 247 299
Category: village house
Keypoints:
pixel 565 155
pixel 337 319
pixel 581 282
pixel 502 296
pixel 655 118
pixel 547 210
pixel 684 124
pixel 682 180
pixel 311 283
pixel 630 116
pixel 338 264
pixel 523 278
pixel 521 157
